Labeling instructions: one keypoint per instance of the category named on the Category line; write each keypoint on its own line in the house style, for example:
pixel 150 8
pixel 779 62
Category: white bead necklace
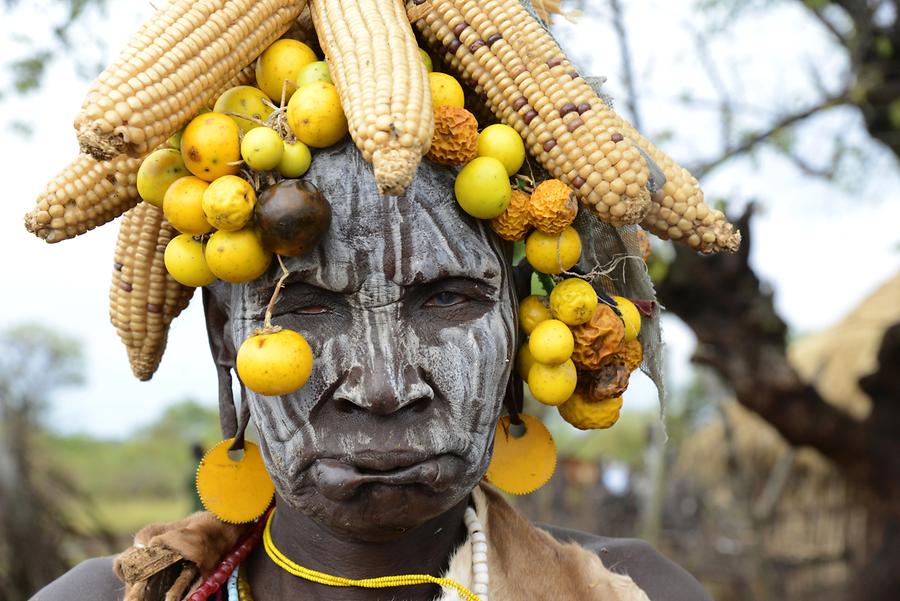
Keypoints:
pixel 480 578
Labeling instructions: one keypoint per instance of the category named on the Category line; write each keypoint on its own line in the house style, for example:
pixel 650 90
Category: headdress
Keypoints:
pixel 145 133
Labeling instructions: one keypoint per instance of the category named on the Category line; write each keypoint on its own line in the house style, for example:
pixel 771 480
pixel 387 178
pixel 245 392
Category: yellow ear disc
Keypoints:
pixel 237 490
pixel 524 456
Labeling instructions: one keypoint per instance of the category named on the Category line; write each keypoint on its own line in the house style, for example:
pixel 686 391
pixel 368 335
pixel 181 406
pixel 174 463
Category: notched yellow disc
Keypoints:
pixel 236 491
pixel 522 462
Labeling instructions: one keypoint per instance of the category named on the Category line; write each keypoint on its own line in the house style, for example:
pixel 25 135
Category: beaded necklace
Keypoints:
pixel 238 589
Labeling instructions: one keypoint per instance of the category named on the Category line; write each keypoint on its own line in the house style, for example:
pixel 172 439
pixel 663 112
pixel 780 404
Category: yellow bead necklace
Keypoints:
pixel 279 559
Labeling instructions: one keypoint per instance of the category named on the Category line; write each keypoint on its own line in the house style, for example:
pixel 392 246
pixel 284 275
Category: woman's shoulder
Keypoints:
pixel 659 577
pixel 91 580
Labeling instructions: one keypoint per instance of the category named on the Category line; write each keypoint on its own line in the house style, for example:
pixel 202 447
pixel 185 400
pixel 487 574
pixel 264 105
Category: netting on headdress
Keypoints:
pixel 612 260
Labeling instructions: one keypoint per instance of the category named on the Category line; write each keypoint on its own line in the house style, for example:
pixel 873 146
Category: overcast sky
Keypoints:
pixel 822 247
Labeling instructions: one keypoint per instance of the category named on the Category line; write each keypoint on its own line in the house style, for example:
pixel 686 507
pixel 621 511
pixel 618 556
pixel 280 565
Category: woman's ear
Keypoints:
pixel 221 343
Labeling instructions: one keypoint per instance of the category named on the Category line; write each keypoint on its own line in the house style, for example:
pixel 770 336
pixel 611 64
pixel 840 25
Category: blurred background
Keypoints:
pixel 773 471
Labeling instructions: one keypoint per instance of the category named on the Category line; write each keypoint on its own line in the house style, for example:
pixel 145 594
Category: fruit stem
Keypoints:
pixel 267 323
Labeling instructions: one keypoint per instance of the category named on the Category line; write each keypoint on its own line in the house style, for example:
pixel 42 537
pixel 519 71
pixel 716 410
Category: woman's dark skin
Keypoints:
pixel 408 306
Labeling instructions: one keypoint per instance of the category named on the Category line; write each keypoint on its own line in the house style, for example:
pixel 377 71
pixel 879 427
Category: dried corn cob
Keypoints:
pixel 382 83
pixel 143 298
pixel 84 195
pixel 89 193
pixel 678 211
pixel 506 55
pixel 173 67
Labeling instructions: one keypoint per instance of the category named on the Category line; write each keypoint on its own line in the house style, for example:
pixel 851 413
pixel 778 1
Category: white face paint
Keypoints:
pixel 407 306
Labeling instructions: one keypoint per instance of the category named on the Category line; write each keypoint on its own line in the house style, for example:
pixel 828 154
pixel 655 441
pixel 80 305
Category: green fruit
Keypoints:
pixel 295 160
pixel 157 172
pixel 482 188
pixel 426 58
pixel 245 100
pixel 262 148
pixel 317 71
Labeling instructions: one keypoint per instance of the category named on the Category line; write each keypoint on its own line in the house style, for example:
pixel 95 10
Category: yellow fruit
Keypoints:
pixel 532 311
pixel 315 115
pixel 245 100
pixel 482 188
pixel 317 71
pixel 445 90
pixel 426 58
pixel 551 342
pixel 228 203
pixel 157 172
pixel 186 263
pixel 183 206
pixel 174 140
pixel 274 363
pixel 211 146
pixel 552 207
pixel 504 144
pixel 295 160
pixel 262 148
pixel 631 317
pixel 552 384
pixel 281 62
pixel 237 256
pixel 591 415
pixel 524 362
pixel 573 301
pixel 553 254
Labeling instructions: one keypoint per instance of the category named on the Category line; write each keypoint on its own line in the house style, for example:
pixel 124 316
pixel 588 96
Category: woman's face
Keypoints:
pixel 407 306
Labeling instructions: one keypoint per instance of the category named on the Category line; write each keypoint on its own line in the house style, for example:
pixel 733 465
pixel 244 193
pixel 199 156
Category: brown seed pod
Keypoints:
pixel 597 339
pixel 292 217
pixel 552 207
pixel 513 224
pixel 610 381
pixel 455 139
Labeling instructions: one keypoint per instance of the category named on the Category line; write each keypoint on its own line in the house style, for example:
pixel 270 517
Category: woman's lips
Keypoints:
pixel 339 481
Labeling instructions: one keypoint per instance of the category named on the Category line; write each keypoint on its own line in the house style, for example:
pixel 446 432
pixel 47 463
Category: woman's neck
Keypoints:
pixel 425 549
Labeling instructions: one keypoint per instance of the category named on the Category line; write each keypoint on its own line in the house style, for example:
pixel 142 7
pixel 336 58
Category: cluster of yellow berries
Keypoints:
pixel 204 181
pixel 579 352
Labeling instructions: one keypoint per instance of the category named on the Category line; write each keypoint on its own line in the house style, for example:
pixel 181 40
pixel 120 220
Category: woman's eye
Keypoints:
pixel 312 310
pixel 446 299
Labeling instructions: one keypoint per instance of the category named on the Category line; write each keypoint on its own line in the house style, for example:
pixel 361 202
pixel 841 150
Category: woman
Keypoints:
pixel 410 308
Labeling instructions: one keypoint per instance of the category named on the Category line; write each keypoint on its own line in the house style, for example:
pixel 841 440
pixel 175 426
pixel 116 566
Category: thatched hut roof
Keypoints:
pixel 836 358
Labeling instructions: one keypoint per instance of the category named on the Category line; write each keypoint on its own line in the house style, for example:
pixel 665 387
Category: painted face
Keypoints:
pixel 407 306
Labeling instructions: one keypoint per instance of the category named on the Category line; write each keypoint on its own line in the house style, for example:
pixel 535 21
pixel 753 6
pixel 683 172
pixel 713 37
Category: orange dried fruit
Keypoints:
pixel 611 380
pixel 455 139
pixel 552 207
pixel 603 335
pixel 587 415
pixel 513 224
pixel 633 354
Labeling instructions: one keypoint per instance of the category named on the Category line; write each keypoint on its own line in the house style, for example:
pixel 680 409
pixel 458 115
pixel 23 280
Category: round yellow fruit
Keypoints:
pixel 315 115
pixel 504 144
pixel 551 342
pixel 553 384
pixel 211 146
pixel 317 71
pixel 553 254
pixel 274 363
pixel 532 311
pixel 445 91
pixel 524 362
pixel 591 415
pixel 228 203
pixel 631 317
pixel 245 100
pixel 237 256
pixel 295 160
pixel 262 148
pixel 482 188
pixel 186 262
pixel 426 58
pixel 183 206
pixel 157 172
pixel 573 301
pixel 279 65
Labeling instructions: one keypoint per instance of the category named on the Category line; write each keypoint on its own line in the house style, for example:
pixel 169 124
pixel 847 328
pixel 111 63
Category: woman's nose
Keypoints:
pixel 383 387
